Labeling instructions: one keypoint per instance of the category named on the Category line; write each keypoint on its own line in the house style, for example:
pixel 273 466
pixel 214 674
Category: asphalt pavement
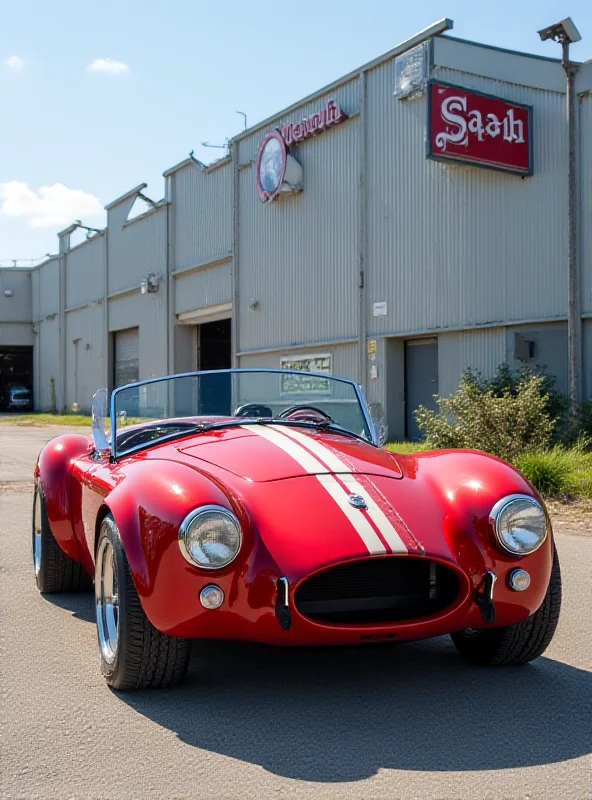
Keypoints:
pixel 383 721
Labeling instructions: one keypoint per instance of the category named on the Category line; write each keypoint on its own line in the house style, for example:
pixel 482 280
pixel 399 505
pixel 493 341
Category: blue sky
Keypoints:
pixel 96 98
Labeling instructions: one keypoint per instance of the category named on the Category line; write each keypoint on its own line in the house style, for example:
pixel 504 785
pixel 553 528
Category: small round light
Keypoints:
pixel 519 523
pixel 519 580
pixel 211 596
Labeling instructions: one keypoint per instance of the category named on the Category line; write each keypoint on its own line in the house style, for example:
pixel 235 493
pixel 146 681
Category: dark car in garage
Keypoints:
pixel 16 398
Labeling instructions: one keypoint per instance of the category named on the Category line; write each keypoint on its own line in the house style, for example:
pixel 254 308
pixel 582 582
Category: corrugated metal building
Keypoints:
pixel 379 263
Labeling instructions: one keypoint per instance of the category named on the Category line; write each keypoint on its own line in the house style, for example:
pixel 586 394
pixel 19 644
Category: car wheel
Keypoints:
pixel 54 570
pixel 134 654
pixel 519 643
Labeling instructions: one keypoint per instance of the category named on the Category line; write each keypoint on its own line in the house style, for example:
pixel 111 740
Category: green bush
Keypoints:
pixel 506 421
pixel 506 381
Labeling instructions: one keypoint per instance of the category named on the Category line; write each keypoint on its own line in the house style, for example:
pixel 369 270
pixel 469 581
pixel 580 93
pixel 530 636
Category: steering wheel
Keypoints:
pixel 253 410
pixel 305 414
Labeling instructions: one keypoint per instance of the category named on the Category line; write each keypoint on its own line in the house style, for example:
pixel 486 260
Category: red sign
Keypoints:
pixel 273 159
pixel 479 129
pixel 331 115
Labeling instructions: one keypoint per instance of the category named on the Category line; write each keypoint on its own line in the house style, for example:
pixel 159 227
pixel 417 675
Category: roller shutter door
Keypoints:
pixel 126 356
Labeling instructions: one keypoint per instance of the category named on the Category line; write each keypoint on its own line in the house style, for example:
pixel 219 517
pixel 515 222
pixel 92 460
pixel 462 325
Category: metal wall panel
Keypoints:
pixel 482 350
pixel 518 68
pixel 457 245
pixel 586 200
pixel 550 350
pixel 49 288
pixel 208 287
pixel 85 270
pixel 47 365
pixel 19 307
pixel 136 248
pixel 35 298
pixel 85 367
pixel 203 214
pixel 16 334
pixel 298 254
pixel 148 312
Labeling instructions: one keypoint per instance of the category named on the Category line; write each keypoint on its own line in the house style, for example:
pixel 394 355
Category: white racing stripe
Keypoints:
pixel 335 464
pixel 308 462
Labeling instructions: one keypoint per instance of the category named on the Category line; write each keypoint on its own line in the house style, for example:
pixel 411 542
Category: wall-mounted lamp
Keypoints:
pixel 8 293
pixel 253 303
pixel 150 284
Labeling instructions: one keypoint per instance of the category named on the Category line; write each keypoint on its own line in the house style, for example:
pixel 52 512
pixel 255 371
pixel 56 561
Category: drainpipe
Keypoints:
pixel 574 315
pixel 362 237
pixel 62 329
pixel 234 323
pixel 106 353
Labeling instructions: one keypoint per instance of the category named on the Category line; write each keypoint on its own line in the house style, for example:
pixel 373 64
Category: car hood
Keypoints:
pixel 263 453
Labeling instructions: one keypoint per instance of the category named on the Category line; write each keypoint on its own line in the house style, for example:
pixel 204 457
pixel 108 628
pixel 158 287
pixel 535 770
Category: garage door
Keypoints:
pixel 126 357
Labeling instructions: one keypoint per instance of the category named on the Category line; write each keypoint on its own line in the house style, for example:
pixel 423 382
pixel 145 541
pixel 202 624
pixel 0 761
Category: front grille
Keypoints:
pixel 377 590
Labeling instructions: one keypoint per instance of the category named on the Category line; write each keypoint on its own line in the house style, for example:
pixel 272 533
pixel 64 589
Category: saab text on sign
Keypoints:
pixel 479 129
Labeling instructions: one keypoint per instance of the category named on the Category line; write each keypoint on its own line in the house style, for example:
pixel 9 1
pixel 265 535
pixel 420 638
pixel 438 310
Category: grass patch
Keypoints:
pixel 75 420
pixel 559 472
pixel 64 420
pixel 404 448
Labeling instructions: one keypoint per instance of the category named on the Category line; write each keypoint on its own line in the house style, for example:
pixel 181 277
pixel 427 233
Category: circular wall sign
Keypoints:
pixel 271 165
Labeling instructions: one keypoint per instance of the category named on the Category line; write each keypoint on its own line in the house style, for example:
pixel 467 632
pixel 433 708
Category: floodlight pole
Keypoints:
pixel 574 315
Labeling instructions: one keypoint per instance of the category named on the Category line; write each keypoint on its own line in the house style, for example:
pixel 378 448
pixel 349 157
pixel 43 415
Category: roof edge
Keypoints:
pixel 192 160
pixel 139 188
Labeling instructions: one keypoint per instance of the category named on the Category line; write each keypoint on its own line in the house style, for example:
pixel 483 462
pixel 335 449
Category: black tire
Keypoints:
pixel 519 643
pixel 54 570
pixel 143 657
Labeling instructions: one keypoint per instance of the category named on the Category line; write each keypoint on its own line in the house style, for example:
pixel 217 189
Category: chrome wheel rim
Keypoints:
pixel 36 533
pixel 107 601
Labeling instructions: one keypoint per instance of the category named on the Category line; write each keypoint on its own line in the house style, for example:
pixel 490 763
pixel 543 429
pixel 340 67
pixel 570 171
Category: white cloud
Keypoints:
pixel 49 206
pixel 108 65
pixel 14 63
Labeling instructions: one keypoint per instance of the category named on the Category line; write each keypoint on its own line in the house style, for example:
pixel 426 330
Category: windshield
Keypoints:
pixel 20 393
pixel 182 403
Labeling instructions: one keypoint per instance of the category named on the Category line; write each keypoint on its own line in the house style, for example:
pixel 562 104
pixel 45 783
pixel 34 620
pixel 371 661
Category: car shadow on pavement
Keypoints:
pixel 341 714
pixel 79 605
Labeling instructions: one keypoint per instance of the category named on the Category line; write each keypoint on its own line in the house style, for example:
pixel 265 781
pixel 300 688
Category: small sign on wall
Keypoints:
pixel 380 309
pixel 411 72
pixel 303 384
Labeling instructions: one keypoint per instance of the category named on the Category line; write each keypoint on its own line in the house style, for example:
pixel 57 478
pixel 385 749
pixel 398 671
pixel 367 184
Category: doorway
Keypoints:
pixel 421 381
pixel 16 370
pixel 214 351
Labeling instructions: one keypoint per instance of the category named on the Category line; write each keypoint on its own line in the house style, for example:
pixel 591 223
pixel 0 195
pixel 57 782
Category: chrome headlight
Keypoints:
pixel 519 523
pixel 210 537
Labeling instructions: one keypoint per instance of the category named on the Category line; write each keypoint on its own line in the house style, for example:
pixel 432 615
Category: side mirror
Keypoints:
pixel 100 412
pixel 379 421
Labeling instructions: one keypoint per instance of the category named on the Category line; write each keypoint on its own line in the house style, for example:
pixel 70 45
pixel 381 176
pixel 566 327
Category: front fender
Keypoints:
pixel 148 506
pixel 63 495
pixel 463 486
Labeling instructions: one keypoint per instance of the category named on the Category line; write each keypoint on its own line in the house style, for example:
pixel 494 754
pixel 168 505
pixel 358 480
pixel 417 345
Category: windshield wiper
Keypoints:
pixel 324 425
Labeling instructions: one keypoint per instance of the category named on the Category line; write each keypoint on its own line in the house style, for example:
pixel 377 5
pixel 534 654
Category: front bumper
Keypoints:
pixel 250 612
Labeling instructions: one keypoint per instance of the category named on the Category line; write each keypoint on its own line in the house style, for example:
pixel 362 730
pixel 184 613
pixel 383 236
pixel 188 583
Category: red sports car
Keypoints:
pixel 259 504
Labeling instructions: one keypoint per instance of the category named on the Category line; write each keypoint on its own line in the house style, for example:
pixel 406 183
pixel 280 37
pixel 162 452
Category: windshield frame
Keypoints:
pixel 112 402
